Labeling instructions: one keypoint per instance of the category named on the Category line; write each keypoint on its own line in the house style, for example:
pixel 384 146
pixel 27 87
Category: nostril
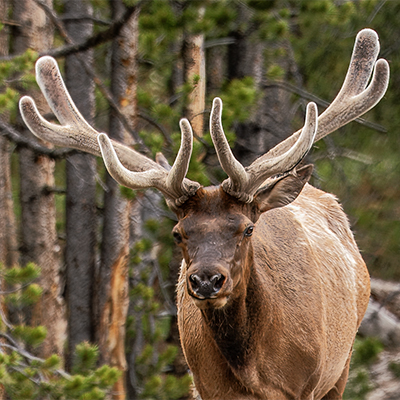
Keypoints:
pixel 217 281
pixel 206 286
pixel 195 281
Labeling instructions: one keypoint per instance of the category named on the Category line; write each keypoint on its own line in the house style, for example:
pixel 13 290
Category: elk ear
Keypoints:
pixel 284 190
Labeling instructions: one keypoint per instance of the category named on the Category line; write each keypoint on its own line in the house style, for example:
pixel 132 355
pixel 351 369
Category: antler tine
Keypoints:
pixel 69 136
pixel 73 128
pixel 180 167
pixel 52 85
pixel 76 133
pixel 354 98
pixel 56 134
pixel 130 179
pixel 227 160
pixel 171 183
pixel 269 165
pixel 244 182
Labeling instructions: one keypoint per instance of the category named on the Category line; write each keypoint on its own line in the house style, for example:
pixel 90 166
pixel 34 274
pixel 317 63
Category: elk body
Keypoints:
pixel 272 286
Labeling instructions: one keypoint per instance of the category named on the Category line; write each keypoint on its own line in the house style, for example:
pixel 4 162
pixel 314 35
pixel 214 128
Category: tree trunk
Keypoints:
pixel 195 75
pixel 38 228
pixel 8 238
pixel 112 279
pixel 269 123
pixel 81 221
pixel 216 69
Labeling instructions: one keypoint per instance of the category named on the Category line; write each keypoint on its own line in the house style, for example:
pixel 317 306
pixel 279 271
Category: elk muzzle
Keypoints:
pixel 208 287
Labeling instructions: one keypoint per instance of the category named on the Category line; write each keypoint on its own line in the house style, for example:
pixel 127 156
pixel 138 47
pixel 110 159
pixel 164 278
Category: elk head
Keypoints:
pixel 216 223
pixel 215 226
pixel 214 233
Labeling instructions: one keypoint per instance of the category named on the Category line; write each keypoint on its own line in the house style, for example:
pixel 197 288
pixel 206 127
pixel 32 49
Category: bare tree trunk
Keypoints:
pixel 216 69
pixel 195 74
pixel 38 227
pixel 270 122
pixel 8 238
pixel 81 221
pixel 112 285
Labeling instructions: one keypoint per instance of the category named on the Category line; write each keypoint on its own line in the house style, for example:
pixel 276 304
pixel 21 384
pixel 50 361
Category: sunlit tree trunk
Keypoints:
pixel 112 278
pixel 194 66
pixel 38 214
pixel 80 252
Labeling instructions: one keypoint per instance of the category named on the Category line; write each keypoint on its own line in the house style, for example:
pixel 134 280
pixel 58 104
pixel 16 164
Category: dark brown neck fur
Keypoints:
pixel 234 328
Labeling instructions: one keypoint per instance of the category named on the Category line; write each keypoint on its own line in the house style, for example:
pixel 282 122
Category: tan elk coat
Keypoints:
pixel 310 288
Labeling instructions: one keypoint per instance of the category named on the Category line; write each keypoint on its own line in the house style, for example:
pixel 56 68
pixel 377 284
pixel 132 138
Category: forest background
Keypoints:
pixel 88 268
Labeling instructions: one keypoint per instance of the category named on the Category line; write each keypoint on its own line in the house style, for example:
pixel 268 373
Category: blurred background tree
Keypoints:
pixel 134 68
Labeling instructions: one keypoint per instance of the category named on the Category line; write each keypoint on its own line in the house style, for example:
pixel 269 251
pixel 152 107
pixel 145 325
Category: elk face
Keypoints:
pixel 214 234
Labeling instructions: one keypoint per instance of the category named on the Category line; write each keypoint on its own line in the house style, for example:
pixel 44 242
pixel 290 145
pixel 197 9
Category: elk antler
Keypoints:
pixel 354 99
pixel 137 171
pixel 76 133
pixel 244 182
pixel 167 182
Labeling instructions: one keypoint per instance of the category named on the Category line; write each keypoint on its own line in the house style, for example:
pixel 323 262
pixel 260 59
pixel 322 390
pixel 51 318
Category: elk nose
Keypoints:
pixel 206 286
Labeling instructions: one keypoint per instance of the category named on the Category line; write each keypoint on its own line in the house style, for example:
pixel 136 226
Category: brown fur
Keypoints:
pixel 294 297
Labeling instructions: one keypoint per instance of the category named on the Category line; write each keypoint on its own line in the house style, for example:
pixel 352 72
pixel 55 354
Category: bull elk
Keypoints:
pixel 272 286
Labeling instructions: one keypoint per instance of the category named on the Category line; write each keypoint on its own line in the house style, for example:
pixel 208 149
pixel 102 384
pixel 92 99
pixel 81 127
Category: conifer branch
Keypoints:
pixel 28 356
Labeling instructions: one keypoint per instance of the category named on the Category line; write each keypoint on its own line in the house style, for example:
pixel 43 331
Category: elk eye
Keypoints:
pixel 249 231
pixel 177 236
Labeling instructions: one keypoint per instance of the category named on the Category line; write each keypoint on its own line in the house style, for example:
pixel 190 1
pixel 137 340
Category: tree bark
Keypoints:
pixel 8 238
pixel 81 221
pixel 112 285
pixel 38 228
pixel 216 69
pixel 195 74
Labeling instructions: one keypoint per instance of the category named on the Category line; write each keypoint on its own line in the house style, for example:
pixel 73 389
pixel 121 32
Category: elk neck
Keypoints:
pixel 234 327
